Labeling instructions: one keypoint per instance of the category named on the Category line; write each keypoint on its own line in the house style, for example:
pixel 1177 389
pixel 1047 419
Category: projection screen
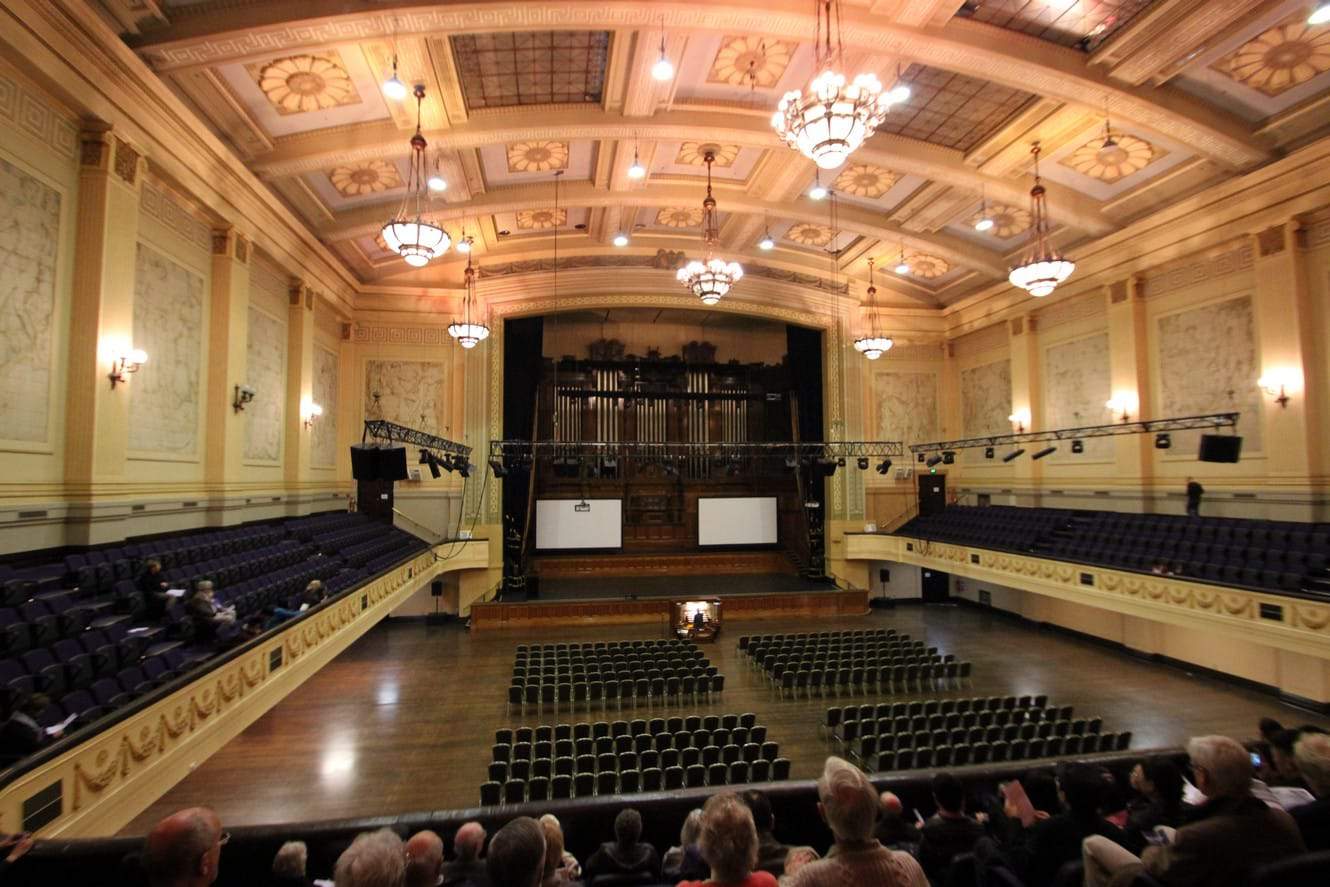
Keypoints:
pixel 739 521
pixel 562 524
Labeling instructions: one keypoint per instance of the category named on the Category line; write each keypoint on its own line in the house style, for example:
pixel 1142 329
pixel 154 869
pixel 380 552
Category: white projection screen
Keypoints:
pixel 740 521
pixel 562 524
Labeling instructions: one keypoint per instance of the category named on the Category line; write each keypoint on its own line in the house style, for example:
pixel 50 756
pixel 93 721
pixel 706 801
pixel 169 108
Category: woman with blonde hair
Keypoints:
pixel 728 841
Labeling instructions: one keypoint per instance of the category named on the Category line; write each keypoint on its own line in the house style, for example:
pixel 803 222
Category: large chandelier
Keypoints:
pixel 469 333
pixel 1042 268
pixel 873 345
pixel 832 115
pixel 711 279
pixel 408 233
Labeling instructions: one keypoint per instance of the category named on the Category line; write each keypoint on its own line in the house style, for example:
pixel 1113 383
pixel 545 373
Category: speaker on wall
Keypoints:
pixel 392 463
pixel 369 462
pixel 1220 448
pixel 883 575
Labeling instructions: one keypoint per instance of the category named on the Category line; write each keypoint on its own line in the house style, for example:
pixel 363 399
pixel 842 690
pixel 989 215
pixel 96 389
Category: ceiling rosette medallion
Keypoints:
pixel 865 180
pixel 537 155
pixel 298 84
pixel 368 177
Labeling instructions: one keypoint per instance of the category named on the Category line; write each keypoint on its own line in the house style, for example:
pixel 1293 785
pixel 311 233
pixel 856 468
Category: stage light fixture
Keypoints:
pixel 791 462
pixel 933 460
pixel 826 467
pixel 948 457
pixel 919 457
pixel 1014 454
pixel 1046 451
pixel 499 469
pixel 988 452
pixel 434 467
pixel 424 457
pixel 863 463
pixel 1163 440
pixel 884 466
pixel 462 466
pixel 1078 446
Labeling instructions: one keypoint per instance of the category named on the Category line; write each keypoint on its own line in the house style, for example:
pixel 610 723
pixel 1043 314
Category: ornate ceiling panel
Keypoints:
pixel 1085 24
pixel 1282 58
pixel 952 110
pixel 507 69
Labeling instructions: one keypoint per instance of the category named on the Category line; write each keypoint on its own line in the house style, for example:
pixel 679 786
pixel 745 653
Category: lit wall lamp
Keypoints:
pixel 244 394
pixel 1020 420
pixel 1278 383
pixel 1122 406
pixel 130 362
pixel 309 412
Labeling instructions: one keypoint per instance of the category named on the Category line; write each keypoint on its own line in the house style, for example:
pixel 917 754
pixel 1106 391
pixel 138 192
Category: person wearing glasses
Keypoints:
pixel 184 849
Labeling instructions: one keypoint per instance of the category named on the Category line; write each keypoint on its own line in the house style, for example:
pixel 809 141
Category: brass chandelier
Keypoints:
pixel 1042 268
pixel 712 278
pixel 873 345
pixel 408 233
pixel 469 332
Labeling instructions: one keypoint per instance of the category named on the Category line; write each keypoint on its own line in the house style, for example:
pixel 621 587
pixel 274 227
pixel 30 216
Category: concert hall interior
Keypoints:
pixel 419 413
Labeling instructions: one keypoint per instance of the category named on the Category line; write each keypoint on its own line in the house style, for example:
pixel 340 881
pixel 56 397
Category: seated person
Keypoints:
pixel 770 852
pixel 314 593
pixel 797 858
pixel 948 832
pixel 730 845
pixel 207 616
pixel 1158 785
pixel 1312 755
pixel 684 862
pixel 893 830
pixel 21 735
pixel 468 868
pixel 1039 849
pixel 152 585
pixel 626 857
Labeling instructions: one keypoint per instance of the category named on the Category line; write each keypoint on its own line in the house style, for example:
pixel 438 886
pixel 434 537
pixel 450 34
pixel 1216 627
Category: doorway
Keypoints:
pixel 932 493
pixel 936 586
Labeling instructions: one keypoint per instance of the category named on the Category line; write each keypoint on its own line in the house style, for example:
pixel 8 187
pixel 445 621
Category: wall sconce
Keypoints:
pixel 1020 420
pixel 1122 406
pixel 244 394
pixel 1278 383
pixel 129 362
pixel 309 412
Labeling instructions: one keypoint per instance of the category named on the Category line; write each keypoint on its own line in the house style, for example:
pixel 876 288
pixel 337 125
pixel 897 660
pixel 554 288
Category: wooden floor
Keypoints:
pixel 403 720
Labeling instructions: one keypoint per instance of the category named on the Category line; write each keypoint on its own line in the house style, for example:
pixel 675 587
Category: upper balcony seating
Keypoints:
pixel 74 627
pixel 1267 555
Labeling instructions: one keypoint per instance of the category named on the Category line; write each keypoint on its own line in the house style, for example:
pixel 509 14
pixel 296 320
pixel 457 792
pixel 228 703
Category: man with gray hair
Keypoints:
pixel 184 849
pixel 374 859
pixel 1312 755
pixel 424 859
pixel 207 616
pixel 468 868
pixel 848 803
pixel 288 866
pixel 1227 838
pixel 517 854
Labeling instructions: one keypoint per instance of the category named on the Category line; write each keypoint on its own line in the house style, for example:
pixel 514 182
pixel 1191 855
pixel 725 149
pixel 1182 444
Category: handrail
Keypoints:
pixel 437 537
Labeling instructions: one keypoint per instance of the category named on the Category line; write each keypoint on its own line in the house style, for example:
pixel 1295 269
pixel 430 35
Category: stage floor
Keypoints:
pixel 643 587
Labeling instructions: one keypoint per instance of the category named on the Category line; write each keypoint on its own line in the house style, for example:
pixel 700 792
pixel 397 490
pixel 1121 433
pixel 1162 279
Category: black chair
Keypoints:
pixel 490 794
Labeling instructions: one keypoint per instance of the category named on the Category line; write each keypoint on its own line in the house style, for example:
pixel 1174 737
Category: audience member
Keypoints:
pixel 184 849
pixel 553 874
pixel 424 859
pixel 1312 755
pixel 374 859
pixel 626 856
pixel 18 845
pixel 685 863
pixel 1041 787
pixel 314 593
pixel 207 616
pixel 288 866
pixel 152 585
pixel 795 859
pixel 848 803
pixel 572 870
pixel 468 868
pixel 1038 850
pixel 516 856
pixel 729 845
pixel 1158 784
pixel 770 852
pixel 893 829
pixel 1283 769
pixel 949 831
pixel 21 734
pixel 1226 838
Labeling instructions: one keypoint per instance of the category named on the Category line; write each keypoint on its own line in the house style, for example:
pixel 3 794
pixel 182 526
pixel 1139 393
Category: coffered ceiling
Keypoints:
pixel 520 93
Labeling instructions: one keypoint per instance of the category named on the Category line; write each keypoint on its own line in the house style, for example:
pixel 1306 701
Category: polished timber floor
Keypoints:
pixel 404 719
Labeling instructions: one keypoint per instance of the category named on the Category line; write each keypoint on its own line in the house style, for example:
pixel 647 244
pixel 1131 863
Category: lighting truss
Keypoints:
pixel 381 429
pixel 641 451
pixel 1152 426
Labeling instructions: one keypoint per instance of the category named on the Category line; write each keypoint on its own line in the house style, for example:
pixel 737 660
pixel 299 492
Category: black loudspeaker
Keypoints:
pixel 436 588
pixel 392 463
pixel 364 462
pixel 532 587
pixel 883 575
pixel 1220 448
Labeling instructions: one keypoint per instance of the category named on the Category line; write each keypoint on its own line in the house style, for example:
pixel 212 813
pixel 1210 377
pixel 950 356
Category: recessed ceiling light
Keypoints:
pixel 818 191
pixel 766 243
pixel 902 267
pixel 984 224
pixel 620 239
pixel 1320 15
pixel 436 183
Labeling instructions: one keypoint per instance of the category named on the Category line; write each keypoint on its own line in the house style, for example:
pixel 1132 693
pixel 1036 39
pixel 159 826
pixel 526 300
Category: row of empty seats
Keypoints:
pixel 641 672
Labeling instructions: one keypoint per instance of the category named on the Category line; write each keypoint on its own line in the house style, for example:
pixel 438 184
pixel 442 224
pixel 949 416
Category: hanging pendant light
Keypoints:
pixel 873 345
pixel 711 279
pixel 1043 267
pixel 985 220
pixel 409 233
pixel 902 266
pixel 833 115
pixel 663 69
pixel 470 331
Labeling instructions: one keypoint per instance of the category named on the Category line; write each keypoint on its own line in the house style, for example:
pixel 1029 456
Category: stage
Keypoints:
pixel 646 600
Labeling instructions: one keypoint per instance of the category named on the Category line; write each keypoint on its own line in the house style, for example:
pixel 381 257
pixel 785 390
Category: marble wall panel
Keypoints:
pixel 408 392
pixel 168 325
pixel 1208 364
pixel 905 407
pixel 1077 384
pixel 266 373
pixel 323 446
pixel 985 402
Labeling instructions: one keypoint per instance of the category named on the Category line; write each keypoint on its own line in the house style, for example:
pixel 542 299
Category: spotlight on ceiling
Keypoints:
pixel 933 460
pixel 863 463
pixel 1046 451
pixel 1163 440
pixel 1014 454
pixel 883 467
pixel 948 457
pixel 1078 446
pixel 988 452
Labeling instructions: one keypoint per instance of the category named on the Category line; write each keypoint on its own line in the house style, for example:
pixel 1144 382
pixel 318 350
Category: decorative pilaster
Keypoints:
pixel 299 380
pixel 110 179
pixel 1026 393
pixel 228 338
